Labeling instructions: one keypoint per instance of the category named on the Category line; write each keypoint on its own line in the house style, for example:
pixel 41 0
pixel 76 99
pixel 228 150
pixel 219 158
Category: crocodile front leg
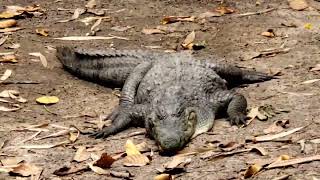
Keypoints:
pixel 133 115
pixel 235 103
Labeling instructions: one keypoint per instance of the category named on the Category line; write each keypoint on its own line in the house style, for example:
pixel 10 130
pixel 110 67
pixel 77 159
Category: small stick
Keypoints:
pixel 20 82
pixel 256 13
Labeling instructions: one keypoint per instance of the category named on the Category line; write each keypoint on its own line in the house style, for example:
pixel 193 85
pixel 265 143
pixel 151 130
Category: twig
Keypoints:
pixel 20 82
pixel 45 107
pixel 256 13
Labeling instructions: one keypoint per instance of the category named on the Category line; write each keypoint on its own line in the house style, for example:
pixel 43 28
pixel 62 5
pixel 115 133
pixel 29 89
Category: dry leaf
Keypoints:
pixel 43 59
pixel 91 4
pixel 42 32
pixel 315 68
pixel 14 46
pixel 224 10
pixel 276 127
pixel 298 4
pixel 208 14
pixel 105 161
pixel 98 12
pixel 268 33
pixel 7 23
pixel 188 42
pixel 88 20
pixel 96 24
pixel 5 109
pixel 290 162
pixel 310 81
pixel 57 134
pixel 143 147
pixel 11 161
pixel 76 14
pixel 173 19
pixel 8 59
pixel 259 149
pixel 121 29
pixel 6 75
pixel 136 160
pixel 131 149
pixel 69 170
pixel 86 38
pixel 178 162
pixel 73 137
pixel 25 170
pixel 252 170
pixel 98 170
pixel 276 136
pixel 81 154
pixel 152 31
pixel 163 177
pixel 31 137
pixel 47 100
pixel 13 29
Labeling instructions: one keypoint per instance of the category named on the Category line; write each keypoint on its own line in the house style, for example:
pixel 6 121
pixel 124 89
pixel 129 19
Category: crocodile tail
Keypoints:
pixel 67 57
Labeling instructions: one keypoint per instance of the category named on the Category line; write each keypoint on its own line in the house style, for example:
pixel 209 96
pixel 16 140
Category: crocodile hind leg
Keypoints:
pixel 234 103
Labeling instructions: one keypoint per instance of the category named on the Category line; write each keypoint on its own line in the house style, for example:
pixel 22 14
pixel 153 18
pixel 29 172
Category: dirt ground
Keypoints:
pixel 235 39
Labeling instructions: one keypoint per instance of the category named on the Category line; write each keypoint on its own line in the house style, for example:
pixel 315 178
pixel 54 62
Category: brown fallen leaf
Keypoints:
pixel 11 161
pixel 224 10
pixel 173 19
pixel 269 33
pixel 276 127
pixel 163 177
pixel 252 170
pixel 131 148
pixel 7 23
pixel 315 68
pixel 98 170
pixel 143 147
pixel 42 32
pixel 298 4
pixel 188 42
pixel 91 4
pixel 65 170
pixel 6 109
pixel 25 170
pixel 13 11
pixel 81 154
pixel 74 136
pixel 6 75
pixel 136 160
pixel 276 136
pixel 209 14
pixel 152 31
pixel 43 59
pixel 310 81
pixel 290 162
pixel 105 161
pixel 8 59
pixel 178 162
pixel 86 38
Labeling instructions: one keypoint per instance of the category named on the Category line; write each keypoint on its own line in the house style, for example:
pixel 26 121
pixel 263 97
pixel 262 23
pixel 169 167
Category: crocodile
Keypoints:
pixel 173 95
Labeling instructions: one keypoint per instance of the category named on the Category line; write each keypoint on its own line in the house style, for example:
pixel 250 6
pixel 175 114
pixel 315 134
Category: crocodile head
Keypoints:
pixel 173 119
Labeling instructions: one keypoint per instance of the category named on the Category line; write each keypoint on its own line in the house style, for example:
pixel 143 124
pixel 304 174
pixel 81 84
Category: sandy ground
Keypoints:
pixel 232 38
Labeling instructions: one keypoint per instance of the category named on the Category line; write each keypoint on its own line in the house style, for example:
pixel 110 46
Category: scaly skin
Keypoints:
pixel 174 96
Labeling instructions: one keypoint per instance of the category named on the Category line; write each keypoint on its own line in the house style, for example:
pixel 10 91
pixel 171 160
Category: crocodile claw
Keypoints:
pixel 238 119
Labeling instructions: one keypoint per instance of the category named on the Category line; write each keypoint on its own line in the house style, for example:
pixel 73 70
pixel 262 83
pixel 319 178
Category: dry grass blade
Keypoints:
pixel 76 14
pixel 276 136
pixel 31 137
pixel 3 39
pixel 43 146
pixel 310 81
pixel 6 53
pixel 57 134
pixel 293 161
pixel 86 38
pixel 6 75
pixel 43 59
pixel 13 29
pixel 96 24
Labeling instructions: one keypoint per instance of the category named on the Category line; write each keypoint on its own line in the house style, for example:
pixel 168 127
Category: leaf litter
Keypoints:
pixel 42 58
